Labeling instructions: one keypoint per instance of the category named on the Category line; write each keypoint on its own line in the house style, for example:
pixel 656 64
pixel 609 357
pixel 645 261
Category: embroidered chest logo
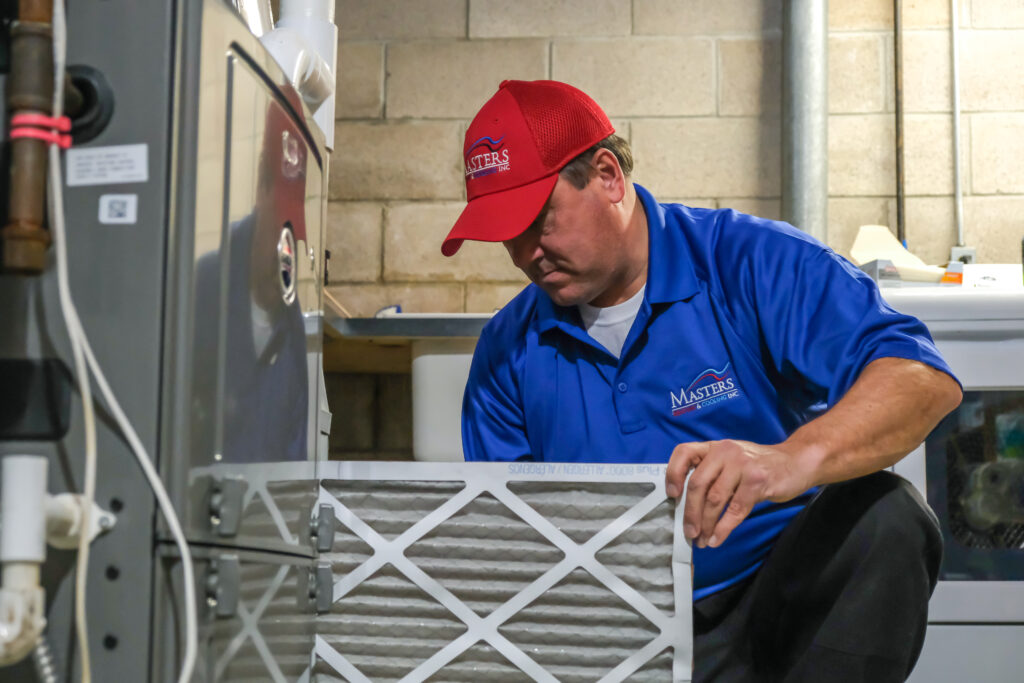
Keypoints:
pixel 710 387
pixel 486 156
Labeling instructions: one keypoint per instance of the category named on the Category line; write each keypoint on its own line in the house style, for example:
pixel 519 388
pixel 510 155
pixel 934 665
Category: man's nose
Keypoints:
pixel 524 249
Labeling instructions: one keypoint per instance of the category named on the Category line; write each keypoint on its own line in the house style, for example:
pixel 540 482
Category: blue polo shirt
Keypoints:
pixel 748 329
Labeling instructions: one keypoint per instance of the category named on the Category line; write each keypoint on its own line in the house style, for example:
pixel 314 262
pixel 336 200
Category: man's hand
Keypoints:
pixel 732 476
pixel 887 412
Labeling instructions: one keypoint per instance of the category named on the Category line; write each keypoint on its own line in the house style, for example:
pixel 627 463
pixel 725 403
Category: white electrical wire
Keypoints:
pixel 67 309
pixel 80 346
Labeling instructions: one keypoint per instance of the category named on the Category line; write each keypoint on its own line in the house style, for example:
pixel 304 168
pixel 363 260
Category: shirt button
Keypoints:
pixel 623 386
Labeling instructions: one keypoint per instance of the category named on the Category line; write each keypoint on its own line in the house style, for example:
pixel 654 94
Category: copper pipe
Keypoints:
pixel 39 11
pixel 29 90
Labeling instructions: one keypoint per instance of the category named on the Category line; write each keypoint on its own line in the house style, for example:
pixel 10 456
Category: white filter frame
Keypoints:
pixel 676 631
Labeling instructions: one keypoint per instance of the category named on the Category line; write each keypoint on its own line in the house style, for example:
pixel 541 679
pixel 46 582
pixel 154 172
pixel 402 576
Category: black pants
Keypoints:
pixel 842 597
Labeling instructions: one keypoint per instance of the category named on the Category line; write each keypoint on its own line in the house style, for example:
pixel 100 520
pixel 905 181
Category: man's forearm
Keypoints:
pixel 888 411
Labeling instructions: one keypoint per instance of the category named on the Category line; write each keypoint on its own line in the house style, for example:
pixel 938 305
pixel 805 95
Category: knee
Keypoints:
pixel 893 521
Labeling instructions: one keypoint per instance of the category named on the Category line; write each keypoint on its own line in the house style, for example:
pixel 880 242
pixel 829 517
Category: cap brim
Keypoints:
pixel 499 216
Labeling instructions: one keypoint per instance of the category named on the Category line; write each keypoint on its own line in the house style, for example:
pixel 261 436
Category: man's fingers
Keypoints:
pixel 684 458
pixel 701 482
pixel 739 507
pixel 715 500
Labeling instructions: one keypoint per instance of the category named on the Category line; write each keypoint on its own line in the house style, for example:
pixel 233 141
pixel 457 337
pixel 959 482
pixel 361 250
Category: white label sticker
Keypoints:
pixel 119 208
pixel 108 165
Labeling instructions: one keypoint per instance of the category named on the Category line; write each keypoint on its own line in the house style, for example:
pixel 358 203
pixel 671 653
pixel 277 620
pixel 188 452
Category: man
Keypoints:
pixel 741 351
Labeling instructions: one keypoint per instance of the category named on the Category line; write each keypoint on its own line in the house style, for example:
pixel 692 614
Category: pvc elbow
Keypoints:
pixel 307 70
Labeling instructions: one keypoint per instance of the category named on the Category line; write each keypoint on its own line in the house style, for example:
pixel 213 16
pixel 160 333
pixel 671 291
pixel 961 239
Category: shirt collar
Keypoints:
pixel 670 275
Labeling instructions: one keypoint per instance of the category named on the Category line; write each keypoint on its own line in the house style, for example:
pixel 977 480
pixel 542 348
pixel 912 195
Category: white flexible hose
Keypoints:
pixel 80 347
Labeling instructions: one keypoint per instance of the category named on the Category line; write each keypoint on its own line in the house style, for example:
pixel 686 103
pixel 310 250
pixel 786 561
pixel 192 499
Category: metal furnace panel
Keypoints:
pixel 251 316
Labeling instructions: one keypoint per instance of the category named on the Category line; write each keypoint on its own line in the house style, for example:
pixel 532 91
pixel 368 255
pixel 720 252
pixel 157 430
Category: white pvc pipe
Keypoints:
pixel 23 509
pixel 314 20
pixel 20 575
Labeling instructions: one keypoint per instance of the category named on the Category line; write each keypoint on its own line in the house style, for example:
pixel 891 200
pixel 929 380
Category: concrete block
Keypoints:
pixel 413 233
pixel 452 79
pixel 928 153
pixel 861 155
pixel 709 157
pixel 640 77
pixel 991 68
pixel 351 397
pixel 365 300
pixel 930 227
pixel 622 129
pixel 484 298
pixel 926 71
pixel 847 214
pixel 394 413
pixel 749 76
pixel 765 207
pixel 389 19
pixel 931 14
pixel 705 17
pixel 993 226
pixel 856 73
pixel 354 239
pixel 402 160
pixel 997 147
pixel 861 15
pixel 539 18
pixel 997 14
pixel 360 81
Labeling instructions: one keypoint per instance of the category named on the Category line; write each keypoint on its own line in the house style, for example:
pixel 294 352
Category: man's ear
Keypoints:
pixel 610 174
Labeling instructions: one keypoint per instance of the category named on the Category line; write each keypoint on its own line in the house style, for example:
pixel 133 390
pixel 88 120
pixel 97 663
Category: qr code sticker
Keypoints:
pixel 118 208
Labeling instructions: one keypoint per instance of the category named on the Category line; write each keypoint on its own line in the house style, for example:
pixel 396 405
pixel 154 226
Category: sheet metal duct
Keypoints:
pixel 805 116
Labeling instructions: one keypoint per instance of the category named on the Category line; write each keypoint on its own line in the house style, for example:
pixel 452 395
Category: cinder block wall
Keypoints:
pixel 695 86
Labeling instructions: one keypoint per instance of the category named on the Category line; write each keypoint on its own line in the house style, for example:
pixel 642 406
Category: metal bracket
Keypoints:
pixel 222 586
pixel 321 527
pixel 319 588
pixel 226 496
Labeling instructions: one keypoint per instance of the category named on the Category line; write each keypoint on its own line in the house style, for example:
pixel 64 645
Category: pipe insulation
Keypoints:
pixel 805 116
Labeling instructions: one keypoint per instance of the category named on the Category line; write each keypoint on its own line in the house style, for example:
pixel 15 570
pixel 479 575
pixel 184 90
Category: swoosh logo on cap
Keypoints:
pixel 486 141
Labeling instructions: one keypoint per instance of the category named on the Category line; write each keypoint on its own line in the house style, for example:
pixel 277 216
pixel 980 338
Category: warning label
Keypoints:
pixel 111 165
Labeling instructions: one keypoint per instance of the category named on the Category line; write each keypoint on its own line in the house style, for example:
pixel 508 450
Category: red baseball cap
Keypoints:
pixel 515 147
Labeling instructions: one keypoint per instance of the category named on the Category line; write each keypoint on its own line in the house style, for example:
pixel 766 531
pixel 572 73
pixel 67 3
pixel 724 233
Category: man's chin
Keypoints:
pixel 564 296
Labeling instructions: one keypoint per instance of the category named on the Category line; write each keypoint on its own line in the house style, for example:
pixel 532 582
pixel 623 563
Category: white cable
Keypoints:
pixel 67 309
pixel 80 345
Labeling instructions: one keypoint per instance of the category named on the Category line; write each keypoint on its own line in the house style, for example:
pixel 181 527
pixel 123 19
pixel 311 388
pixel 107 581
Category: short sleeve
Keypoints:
pixel 821 319
pixel 493 424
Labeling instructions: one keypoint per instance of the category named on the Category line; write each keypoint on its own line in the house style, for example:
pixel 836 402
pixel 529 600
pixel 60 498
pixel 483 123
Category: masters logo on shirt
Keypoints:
pixel 486 156
pixel 710 387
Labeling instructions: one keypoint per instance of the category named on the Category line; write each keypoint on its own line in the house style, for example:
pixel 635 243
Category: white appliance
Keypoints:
pixel 971 469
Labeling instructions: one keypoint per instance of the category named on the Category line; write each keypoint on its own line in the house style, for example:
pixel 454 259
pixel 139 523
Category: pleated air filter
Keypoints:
pixel 504 572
